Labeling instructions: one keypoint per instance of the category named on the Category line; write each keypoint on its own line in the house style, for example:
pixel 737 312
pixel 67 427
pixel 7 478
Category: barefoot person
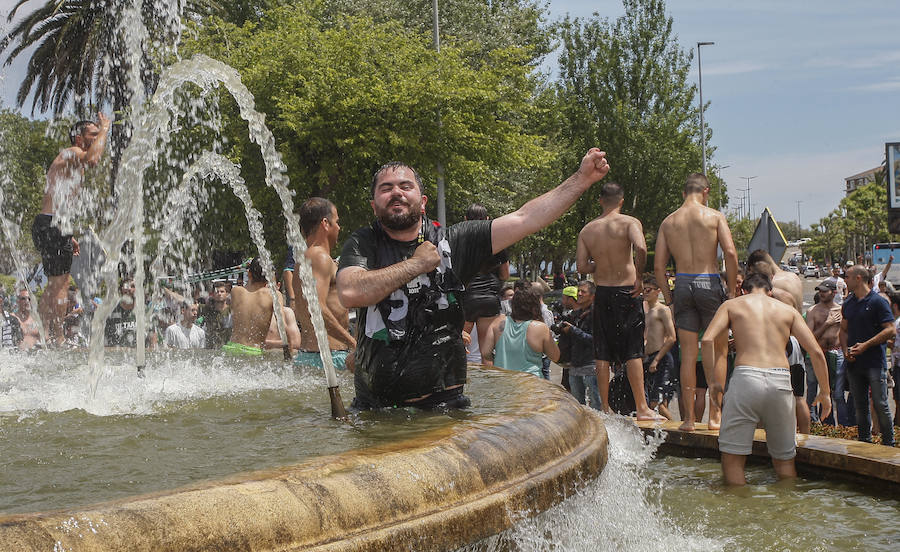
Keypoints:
pixel 691 235
pixel 659 339
pixel 612 249
pixel 760 386
pixel 319 224
pixel 403 273
pixel 251 310
pixel 53 238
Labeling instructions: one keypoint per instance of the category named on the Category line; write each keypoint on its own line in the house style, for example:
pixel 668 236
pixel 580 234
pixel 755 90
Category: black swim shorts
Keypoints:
pixel 55 248
pixel 701 376
pixel 479 305
pixel 696 299
pixel 798 380
pixel 618 328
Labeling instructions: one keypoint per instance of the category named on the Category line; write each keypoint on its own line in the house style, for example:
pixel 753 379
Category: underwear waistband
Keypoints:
pixel 689 275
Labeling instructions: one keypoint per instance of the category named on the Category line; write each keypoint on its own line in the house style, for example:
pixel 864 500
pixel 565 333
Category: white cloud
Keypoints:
pixel 873 61
pixel 884 86
pixel 733 68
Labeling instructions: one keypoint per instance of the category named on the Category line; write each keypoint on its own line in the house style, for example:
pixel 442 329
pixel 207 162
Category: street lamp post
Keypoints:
pixel 702 126
pixel 749 209
pixel 441 194
pixel 799 232
pixel 719 201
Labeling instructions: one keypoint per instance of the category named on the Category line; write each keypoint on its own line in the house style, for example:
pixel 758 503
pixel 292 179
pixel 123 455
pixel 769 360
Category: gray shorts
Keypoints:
pixel 696 299
pixel 759 395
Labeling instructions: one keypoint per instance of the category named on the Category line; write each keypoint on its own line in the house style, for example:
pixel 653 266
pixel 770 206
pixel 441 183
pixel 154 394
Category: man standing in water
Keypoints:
pixel 319 224
pixel 760 386
pixel 404 275
pixel 691 235
pixel 251 310
pixel 612 249
pixel 64 179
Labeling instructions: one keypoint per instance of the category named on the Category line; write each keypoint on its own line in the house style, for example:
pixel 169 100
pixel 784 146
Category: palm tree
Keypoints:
pixel 79 54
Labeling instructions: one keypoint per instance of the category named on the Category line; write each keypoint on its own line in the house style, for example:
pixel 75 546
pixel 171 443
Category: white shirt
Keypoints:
pixel 841 290
pixel 473 353
pixel 179 337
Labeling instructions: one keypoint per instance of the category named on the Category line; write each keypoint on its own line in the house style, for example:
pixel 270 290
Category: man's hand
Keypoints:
pixel 857 350
pixel 653 366
pixel 466 337
pixel 76 249
pixel 823 399
pixel 564 327
pixel 638 287
pixel 427 256
pixel 594 165
pixel 103 120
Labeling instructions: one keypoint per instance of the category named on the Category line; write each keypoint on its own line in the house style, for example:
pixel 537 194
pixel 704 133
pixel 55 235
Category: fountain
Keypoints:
pixel 208 452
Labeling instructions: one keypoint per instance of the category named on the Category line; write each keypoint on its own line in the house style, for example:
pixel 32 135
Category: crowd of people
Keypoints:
pixel 429 298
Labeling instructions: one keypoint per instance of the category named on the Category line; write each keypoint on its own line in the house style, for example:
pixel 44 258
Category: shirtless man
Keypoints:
pixel 31 334
pixel 291 330
pixel 824 320
pixel 659 339
pixel 56 248
pixel 786 286
pixel 251 308
pixel 612 249
pixel 319 224
pixel 760 386
pixel 691 235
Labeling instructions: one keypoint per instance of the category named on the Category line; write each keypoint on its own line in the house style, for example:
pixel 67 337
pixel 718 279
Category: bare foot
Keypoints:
pixel 649 416
pixel 713 425
pixel 686 426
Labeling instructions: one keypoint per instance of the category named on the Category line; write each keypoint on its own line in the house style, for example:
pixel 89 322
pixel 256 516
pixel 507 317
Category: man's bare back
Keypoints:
pixel 789 283
pixel 251 309
pixel 761 326
pixel 659 322
pixel 336 317
pixel 691 235
pixel 606 248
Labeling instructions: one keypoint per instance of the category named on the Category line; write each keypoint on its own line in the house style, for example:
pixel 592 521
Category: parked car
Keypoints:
pixel 794 269
pixel 812 271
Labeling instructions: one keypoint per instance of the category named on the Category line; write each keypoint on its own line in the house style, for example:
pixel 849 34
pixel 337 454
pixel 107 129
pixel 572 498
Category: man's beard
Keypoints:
pixel 400 221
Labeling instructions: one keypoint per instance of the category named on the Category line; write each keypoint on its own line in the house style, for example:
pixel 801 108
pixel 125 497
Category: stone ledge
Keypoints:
pixel 875 463
pixel 440 491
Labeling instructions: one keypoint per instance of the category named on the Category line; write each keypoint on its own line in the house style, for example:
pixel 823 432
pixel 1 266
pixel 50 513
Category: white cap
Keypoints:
pixel 849 263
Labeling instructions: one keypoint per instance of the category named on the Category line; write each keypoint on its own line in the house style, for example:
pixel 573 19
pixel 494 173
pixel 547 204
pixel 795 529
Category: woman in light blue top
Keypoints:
pixel 516 342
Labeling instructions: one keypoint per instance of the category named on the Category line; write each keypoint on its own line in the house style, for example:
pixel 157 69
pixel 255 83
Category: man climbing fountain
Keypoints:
pixel 53 238
pixel 404 274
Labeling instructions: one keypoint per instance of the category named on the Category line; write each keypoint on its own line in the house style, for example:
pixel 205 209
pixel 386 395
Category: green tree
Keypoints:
pixel 344 97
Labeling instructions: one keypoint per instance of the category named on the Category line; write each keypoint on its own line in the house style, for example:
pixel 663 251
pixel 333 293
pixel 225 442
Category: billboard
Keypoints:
pixel 892 177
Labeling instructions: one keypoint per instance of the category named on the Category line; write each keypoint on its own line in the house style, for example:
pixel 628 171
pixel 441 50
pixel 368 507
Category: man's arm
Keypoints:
pixel 807 340
pixel 669 335
pixel 487 353
pixel 886 334
pixel 660 260
pixel 719 324
pixel 551 349
pixel 358 287
pixel 726 242
pixel 639 244
pixel 842 337
pixel 323 270
pixel 503 271
pixel 91 156
pixel 287 277
pixel 583 261
pixel 544 209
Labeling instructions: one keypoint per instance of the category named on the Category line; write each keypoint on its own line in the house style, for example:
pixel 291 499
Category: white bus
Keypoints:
pixel 881 254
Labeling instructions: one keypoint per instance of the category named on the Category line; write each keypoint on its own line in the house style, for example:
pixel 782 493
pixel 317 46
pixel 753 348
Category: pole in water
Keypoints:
pixel 140 371
pixel 337 405
pixel 287 352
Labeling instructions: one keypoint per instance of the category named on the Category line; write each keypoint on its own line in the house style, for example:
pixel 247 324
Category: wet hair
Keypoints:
pixel 696 183
pixel 611 193
pixel 476 212
pixel 312 212
pixel 78 129
pixel 393 165
pixel 255 270
pixel 526 304
pixel 756 280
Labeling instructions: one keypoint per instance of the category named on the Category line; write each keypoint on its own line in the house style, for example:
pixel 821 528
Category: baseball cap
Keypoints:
pixel 571 291
pixel 849 263
pixel 827 285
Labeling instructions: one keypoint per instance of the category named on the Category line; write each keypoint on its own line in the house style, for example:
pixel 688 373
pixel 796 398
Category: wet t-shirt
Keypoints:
pixel 432 356
pixel 120 328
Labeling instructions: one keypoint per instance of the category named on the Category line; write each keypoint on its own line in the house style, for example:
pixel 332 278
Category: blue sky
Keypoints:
pixel 801 93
